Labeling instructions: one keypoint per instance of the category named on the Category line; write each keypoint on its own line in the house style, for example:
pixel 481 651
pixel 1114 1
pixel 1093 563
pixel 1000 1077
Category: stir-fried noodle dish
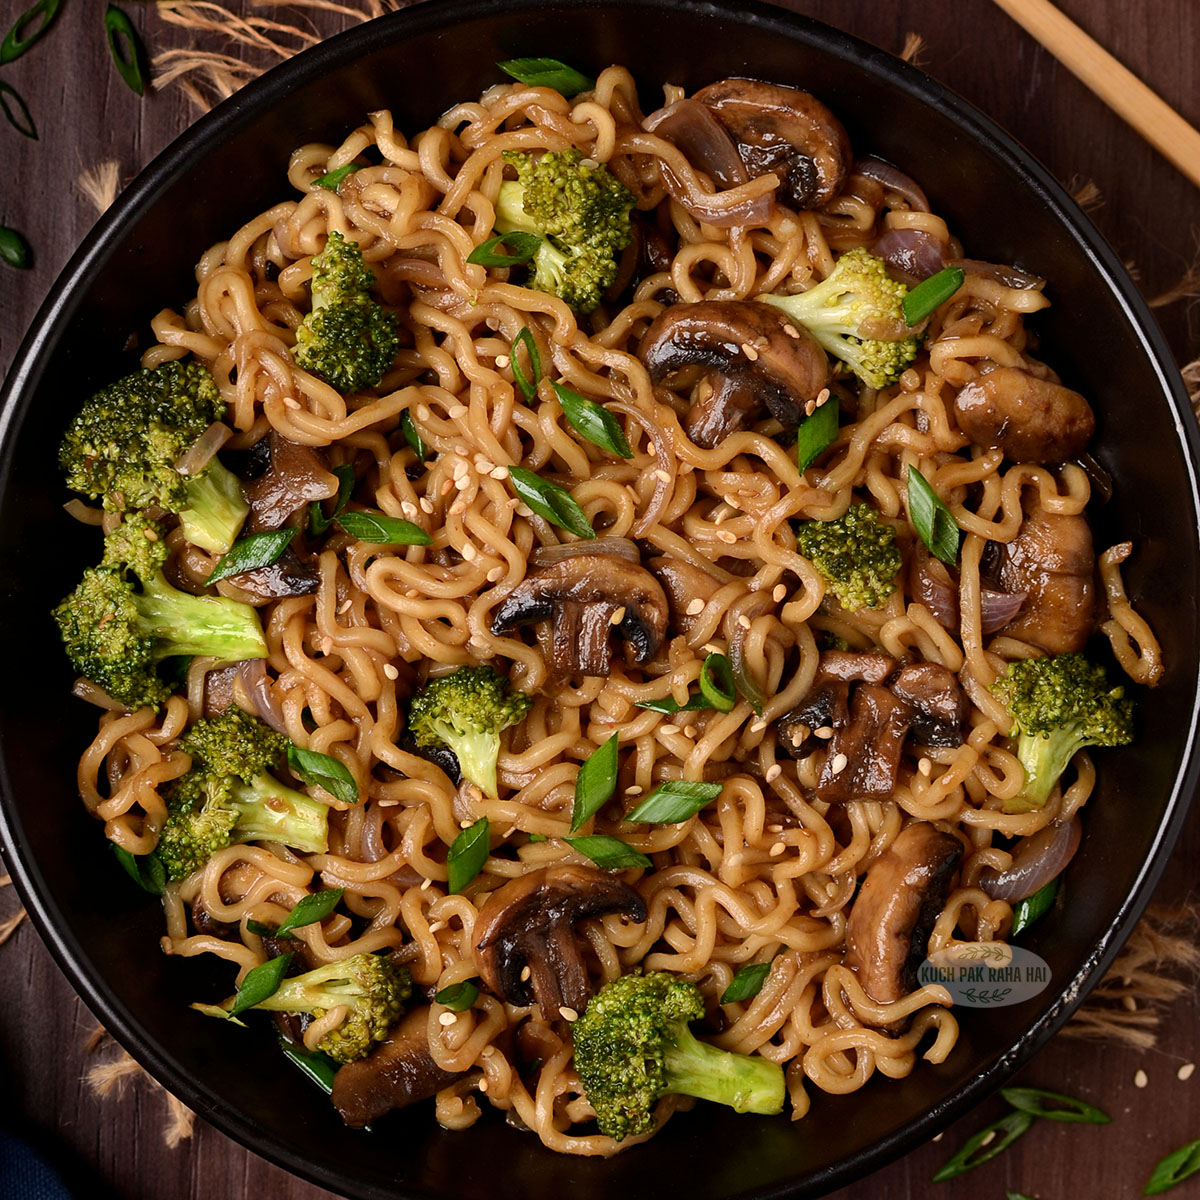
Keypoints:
pixel 588 602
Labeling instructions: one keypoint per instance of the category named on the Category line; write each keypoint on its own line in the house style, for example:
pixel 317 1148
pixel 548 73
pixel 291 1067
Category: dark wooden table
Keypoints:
pixel 1149 212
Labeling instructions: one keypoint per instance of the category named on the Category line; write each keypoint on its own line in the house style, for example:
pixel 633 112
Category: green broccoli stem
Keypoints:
pixel 183 624
pixel 268 811
pixel 476 751
pixel 1045 756
pixel 744 1083
pixel 215 510
pixel 510 210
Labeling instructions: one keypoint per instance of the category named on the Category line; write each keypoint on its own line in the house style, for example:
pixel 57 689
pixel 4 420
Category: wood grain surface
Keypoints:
pixel 1151 215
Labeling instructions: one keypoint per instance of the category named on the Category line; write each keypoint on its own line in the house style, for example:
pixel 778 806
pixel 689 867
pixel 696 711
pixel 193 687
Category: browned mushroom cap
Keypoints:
pixel 398 1072
pixel 293 475
pixel 904 890
pixel 863 761
pixel 528 923
pixel 1052 560
pixel 938 702
pixel 581 595
pixel 683 583
pixel 1030 419
pixel 286 576
pixel 787 131
pixel 765 363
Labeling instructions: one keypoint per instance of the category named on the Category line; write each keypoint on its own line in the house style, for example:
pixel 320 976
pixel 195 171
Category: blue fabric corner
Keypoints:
pixel 25 1174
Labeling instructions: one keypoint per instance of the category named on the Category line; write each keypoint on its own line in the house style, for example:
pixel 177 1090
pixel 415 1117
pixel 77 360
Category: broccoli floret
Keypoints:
pixel 348 339
pixel 580 210
pixel 228 796
pixel 857 315
pixel 123 444
pixel 1059 704
pixel 467 711
pixel 633 1046
pixel 857 555
pixel 116 635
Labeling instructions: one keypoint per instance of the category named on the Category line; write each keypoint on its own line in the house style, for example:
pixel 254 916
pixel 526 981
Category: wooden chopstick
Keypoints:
pixel 1115 84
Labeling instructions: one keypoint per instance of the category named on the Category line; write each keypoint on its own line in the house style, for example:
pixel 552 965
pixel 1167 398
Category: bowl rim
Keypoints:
pixel 267 90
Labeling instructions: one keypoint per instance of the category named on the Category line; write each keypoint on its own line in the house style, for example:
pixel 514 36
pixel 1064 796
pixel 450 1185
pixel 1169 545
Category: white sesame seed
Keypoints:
pixel 447 1018
pixel 408 508
pixel 778 594
pixel 925 767
pixel 773 772
pixel 990 1137
pixel 774 828
pixel 458 508
pixel 777 849
pixel 463 482
pixel 822 396
pixel 1140 1079
pixel 461 451
pixel 502 361
pixel 793 332
pixel 824 732
pixel 426 506
pixel 1129 1004
pixel 1185 1072
pixel 689 731
pixel 422 412
pixel 447 487
pixel 464 824
pixel 711 648
pixel 618 616
pixel 437 927
pixel 839 764
pixel 749 351
pixel 635 789
pixel 345 607
pixel 484 466
pixel 500 473
pixel 469 552
pixel 758 726
pixel 388 803
pixel 526 972
pixel 460 469
pixel 668 728
pixel 665 476
pixel 390 671
pixel 810 408
pixel 151 536
pixel 412 593
pixel 939 1137
pixel 695 607
pixel 327 645
pixel 483 1085
pixel 726 536
pixel 494 574
pixel 291 402
pixel 744 621
pixel 457 410
pixel 426 884
pixel 568 1014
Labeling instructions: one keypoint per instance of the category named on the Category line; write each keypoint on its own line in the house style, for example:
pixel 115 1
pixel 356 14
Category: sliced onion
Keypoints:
pixel 84 512
pixel 615 547
pixel 1036 860
pixel 894 180
pixel 702 139
pixel 912 253
pixel 996 609
pixel 937 588
pixel 1011 277
pixel 746 683
pixel 253 674
pixel 200 453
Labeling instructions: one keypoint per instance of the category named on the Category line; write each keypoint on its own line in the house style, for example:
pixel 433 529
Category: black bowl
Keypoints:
pixel 1098 335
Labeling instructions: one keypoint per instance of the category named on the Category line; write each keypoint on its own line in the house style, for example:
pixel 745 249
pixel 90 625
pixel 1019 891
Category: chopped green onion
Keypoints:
pixel 1054 1106
pixel 332 180
pixel 251 553
pixel 310 910
pixel 528 386
pixel 932 519
pixel 608 852
pixel 675 801
pixel 550 502
pixel 382 530
pixel 716 683
pixel 412 435
pixel 17 117
pixel 595 783
pixel 534 838
pixel 14 249
pixel 126 47
pixel 14 45
pixel 547 72
pixel 146 870
pixel 747 983
pixel 816 434
pixel 985 1145
pixel 668 705
pixel 261 983
pixel 458 997
pixel 323 770
pixel 930 294
pixel 593 421
pixel 1032 908
pixel 1179 1165
pixel 523 246
pixel 318 522
pixel 316 1064
pixel 467 855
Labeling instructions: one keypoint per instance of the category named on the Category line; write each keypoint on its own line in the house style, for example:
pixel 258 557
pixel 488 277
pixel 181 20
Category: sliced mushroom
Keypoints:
pixel 286 576
pixel 864 752
pixel 1052 560
pixel 764 363
pixel 529 923
pixel 586 598
pixel 1031 420
pixel 683 582
pixel 855 666
pixel 398 1072
pixel 939 704
pixel 905 888
pixel 784 130
pixel 295 474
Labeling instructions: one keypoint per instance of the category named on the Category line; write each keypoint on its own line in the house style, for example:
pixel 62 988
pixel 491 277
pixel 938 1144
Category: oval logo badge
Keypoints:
pixel 986 974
